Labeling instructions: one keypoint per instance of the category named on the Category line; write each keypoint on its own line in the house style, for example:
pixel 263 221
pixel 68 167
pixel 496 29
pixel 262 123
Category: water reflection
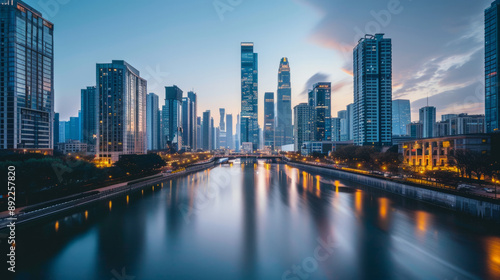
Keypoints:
pixel 266 220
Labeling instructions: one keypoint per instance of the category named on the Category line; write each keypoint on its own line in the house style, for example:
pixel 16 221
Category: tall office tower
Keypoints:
pixel 249 96
pixel 269 122
pixel 322 103
pixel 304 128
pixel 207 134
pixel 193 114
pixel 350 122
pixel 186 123
pixel 229 132
pixel 284 127
pixel 80 138
pixel 172 118
pixel 152 107
pixel 492 66
pixel 56 128
pixel 89 115
pixel 373 91
pixel 237 139
pixel 27 75
pixel 337 128
pixel 161 144
pixel 199 134
pixel 121 119
pixel 72 129
pixel 428 119
pixel 62 132
pixel 401 116
pixel 461 124
pixel 222 144
pixel 215 135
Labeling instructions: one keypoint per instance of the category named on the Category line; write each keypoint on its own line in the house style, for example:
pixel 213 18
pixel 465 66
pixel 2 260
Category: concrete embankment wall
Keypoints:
pixel 489 210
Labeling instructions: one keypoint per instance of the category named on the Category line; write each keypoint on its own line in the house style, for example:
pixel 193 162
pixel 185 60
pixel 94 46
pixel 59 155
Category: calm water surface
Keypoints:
pixel 258 221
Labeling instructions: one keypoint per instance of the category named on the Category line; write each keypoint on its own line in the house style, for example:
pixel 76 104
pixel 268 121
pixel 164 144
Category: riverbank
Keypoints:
pixel 486 208
pixel 42 210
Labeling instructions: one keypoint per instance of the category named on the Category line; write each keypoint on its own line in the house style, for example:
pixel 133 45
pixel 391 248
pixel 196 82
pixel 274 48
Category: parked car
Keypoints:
pixel 464 187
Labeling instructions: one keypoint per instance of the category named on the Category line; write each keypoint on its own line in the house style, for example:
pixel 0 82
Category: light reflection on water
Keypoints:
pixel 256 221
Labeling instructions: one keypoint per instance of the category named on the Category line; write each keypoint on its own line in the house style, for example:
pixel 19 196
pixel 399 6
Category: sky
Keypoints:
pixel 438 47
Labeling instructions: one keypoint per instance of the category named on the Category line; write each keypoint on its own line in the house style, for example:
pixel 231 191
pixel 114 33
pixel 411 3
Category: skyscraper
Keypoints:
pixel 121 119
pixel 222 144
pixel 172 118
pixel 401 116
pixel 284 127
pixel 249 96
pixel 492 66
pixel 237 139
pixel 269 121
pixel 337 128
pixel 193 114
pixel 56 128
pixel 229 132
pixel 89 116
pixel 428 119
pixel 199 134
pixel 27 98
pixel 350 122
pixel 152 107
pixel 304 124
pixel 207 133
pixel 322 103
pixel 373 91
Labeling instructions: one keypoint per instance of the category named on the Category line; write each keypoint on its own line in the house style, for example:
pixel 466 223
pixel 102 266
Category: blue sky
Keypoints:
pixel 437 47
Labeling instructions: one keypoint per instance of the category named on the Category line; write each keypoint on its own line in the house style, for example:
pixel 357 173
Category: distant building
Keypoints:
pixel 492 66
pixel 428 119
pixel 229 132
pixel 89 108
pixel 284 127
pixel 207 133
pixel 222 144
pixel 27 79
pixel 75 147
pixel 249 95
pixel 172 118
pixel 448 116
pixel 337 128
pixel 269 121
pixel 56 128
pixel 152 108
pixel 121 109
pixel 247 148
pixel 461 124
pixel 199 134
pixel 304 124
pixel 373 91
pixel 322 103
pixel 401 116
pixel 415 130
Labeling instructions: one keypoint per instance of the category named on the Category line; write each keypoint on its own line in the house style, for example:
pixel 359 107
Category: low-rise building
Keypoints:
pixel 323 147
pixel 75 147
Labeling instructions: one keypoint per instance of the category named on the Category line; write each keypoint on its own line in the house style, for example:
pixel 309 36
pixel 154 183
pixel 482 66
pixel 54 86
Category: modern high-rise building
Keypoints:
pixel 207 133
pixel 284 126
pixel 199 134
pixel 56 128
pixel 222 140
pixel 269 121
pixel 428 119
pixel 229 132
pixel 492 66
pixel 89 116
pixel 152 107
pixel 373 91
pixel 62 132
pixel 72 131
pixel 350 123
pixel 237 139
pixel 304 128
pixel 249 96
pixel 415 130
pixel 337 128
pixel 121 111
pixel 193 114
pixel 401 116
pixel 322 103
pixel 27 75
pixel 172 118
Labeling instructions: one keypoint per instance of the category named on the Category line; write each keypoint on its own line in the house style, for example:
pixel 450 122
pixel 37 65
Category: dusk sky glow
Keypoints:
pixel 438 47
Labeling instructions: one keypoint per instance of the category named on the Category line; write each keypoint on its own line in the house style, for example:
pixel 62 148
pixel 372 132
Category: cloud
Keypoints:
pixel 316 78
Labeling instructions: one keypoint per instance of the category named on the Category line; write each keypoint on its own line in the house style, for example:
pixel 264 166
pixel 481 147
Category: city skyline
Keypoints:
pixel 304 47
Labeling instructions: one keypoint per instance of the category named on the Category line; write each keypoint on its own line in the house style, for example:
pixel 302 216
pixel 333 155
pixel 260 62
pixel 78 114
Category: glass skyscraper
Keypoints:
pixel 121 105
pixel 269 121
pixel 27 78
pixel 428 119
pixel 492 66
pixel 229 132
pixel 284 128
pixel 322 102
pixel 207 133
pixel 304 124
pixel 401 116
pixel 152 107
pixel 89 116
pixel 249 96
pixel 373 91
pixel 172 118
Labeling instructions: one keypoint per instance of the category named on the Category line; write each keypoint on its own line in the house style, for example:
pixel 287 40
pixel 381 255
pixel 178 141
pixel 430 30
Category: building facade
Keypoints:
pixel 152 107
pixel 172 118
pixel 27 74
pixel 427 119
pixel 121 109
pixel 373 91
pixel 249 95
pixel 207 133
pixel 284 126
pixel 401 116
pixel 492 66
pixel 321 100
pixel 304 127
pixel 89 115
pixel 269 121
